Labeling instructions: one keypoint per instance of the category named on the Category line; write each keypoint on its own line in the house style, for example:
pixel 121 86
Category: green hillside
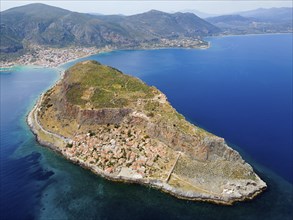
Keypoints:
pixel 103 86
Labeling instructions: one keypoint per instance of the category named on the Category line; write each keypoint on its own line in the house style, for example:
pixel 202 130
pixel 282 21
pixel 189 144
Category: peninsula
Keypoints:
pixel 124 130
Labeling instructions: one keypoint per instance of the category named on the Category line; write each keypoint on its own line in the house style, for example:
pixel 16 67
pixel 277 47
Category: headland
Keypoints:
pixel 121 129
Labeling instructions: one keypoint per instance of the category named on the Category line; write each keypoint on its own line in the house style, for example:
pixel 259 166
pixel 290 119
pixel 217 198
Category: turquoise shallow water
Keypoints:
pixel 239 89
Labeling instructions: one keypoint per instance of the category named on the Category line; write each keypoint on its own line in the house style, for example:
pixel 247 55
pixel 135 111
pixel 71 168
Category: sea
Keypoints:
pixel 240 89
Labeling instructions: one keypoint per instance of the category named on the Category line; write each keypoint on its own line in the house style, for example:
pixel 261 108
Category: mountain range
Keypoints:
pixel 42 24
pixel 47 25
pixel 272 20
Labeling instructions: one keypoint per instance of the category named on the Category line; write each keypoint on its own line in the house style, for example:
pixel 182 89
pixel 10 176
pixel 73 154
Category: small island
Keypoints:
pixel 124 130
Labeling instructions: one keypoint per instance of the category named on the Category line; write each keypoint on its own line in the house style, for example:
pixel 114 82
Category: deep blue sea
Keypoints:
pixel 239 89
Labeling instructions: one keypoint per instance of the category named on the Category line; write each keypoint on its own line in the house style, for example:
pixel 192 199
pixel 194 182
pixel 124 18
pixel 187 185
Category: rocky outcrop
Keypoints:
pixel 144 141
pixel 92 116
pixel 207 149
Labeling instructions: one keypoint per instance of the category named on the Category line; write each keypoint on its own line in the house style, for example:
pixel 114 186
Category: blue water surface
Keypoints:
pixel 239 89
pixel 21 176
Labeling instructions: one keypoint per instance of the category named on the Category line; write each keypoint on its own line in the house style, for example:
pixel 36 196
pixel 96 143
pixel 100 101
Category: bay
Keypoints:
pixel 239 89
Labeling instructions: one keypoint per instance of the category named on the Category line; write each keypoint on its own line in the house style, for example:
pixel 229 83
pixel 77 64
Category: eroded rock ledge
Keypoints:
pixel 122 129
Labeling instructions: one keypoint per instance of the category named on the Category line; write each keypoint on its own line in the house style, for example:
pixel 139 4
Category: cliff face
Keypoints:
pixel 125 129
pixel 208 148
pixel 94 116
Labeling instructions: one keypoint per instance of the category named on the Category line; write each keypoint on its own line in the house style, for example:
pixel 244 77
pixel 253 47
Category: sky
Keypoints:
pixel 134 7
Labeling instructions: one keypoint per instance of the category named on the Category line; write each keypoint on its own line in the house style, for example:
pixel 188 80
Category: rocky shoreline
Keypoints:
pixel 227 197
pixel 159 185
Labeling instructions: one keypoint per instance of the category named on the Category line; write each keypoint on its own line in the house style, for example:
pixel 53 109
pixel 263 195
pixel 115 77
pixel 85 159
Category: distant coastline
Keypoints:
pixel 243 35
pixel 55 57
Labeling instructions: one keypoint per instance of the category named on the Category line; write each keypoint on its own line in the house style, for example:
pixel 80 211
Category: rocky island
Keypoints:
pixel 124 130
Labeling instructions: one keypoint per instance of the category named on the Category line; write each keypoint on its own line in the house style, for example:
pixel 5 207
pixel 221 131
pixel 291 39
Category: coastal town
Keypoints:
pixel 44 56
pixel 192 43
pixel 121 151
pixel 51 57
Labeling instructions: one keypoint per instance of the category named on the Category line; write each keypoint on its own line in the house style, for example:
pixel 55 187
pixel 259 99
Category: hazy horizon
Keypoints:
pixel 216 7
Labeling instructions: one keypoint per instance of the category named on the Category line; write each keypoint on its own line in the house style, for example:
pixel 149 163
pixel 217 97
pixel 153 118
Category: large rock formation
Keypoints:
pixel 124 130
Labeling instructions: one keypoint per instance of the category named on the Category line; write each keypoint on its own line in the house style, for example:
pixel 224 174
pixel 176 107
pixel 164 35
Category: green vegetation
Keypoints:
pixel 93 85
pixel 151 106
pixel 103 86
pixel 69 145
pixel 74 95
pixel 47 25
